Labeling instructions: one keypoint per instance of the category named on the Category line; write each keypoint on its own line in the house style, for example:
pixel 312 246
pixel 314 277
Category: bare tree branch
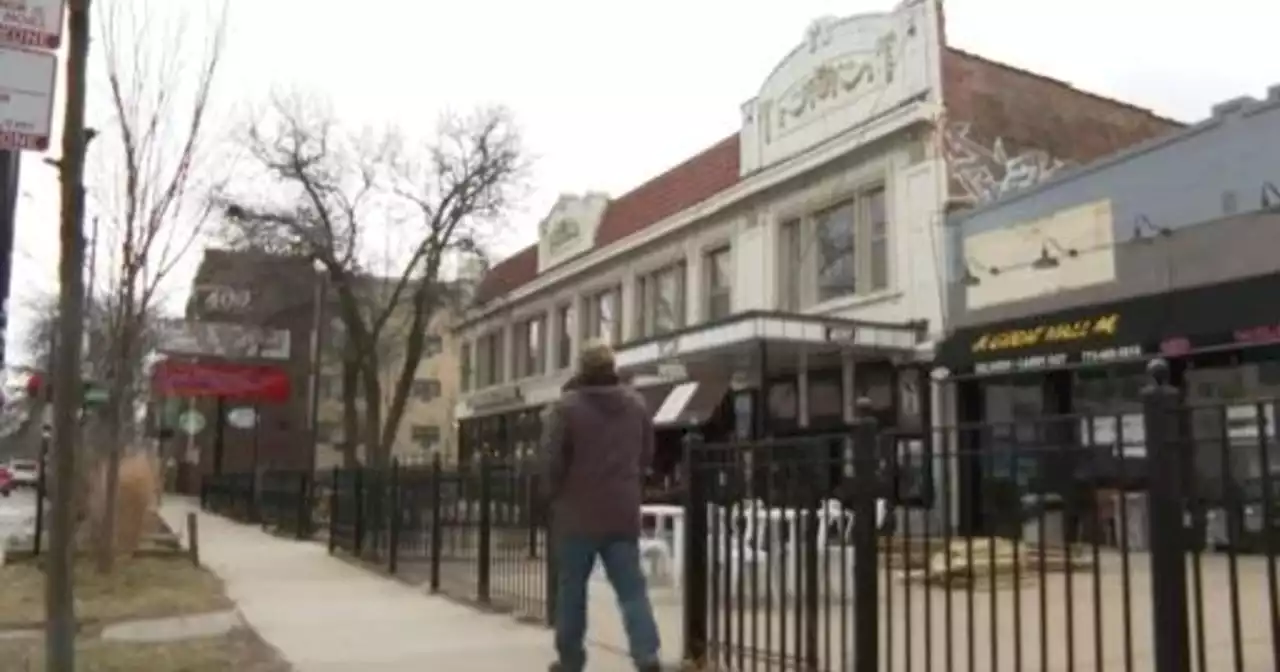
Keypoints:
pixel 153 168
pixel 345 191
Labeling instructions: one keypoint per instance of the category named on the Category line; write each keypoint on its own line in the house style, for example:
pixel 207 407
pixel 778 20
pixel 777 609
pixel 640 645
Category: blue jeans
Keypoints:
pixel 621 558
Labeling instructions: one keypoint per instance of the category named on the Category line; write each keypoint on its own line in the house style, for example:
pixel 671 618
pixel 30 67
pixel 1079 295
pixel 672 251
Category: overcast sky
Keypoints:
pixel 611 93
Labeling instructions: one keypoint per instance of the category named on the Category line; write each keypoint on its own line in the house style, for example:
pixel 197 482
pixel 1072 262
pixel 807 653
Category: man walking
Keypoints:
pixel 598 442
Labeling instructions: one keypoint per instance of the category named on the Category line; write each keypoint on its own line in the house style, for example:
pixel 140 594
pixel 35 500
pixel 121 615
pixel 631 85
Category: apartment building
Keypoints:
pixel 428 427
pixel 761 286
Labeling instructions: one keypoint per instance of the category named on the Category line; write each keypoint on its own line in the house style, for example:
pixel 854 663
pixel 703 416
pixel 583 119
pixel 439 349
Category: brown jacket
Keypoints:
pixel 597 446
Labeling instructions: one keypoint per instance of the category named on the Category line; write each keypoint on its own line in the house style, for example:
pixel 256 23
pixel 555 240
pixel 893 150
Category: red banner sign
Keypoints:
pixel 253 382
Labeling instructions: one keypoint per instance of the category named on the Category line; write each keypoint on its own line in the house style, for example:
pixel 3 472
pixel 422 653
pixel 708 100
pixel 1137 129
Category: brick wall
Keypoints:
pixel 1007 127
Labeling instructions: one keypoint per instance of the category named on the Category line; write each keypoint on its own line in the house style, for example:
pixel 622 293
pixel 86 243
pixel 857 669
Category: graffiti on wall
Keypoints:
pixel 984 171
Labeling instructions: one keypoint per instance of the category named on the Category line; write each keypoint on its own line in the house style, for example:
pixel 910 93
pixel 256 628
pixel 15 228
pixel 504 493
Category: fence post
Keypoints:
pixel 264 510
pixel 533 500
pixel 333 510
pixel 552 569
pixel 483 576
pixel 41 486
pixel 393 534
pixel 868 487
pixel 357 545
pixel 437 536
pixel 1166 506
pixel 304 505
pixel 695 554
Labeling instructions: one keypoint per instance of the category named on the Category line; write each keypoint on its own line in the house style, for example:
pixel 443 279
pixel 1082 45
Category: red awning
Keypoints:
pixel 254 382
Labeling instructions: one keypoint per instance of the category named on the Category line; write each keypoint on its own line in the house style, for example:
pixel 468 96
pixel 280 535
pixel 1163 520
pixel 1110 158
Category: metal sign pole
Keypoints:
pixel 9 194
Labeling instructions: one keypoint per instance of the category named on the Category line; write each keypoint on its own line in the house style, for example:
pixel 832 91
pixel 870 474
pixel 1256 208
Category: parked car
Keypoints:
pixel 6 481
pixel 24 473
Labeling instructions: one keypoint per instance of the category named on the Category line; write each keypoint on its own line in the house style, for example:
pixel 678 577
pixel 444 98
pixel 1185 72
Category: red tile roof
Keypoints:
pixel 682 187
pixel 688 184
pixel 508 274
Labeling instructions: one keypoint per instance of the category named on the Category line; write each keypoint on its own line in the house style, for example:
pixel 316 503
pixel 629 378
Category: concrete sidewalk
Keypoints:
pixel 325 615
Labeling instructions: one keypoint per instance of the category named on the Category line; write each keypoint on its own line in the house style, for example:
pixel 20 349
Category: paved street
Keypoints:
pixel 325 615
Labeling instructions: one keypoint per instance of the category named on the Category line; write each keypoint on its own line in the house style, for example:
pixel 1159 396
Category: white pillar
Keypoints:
pixel 848 376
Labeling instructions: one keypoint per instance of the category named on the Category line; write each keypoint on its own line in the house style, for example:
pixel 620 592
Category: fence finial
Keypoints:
pixel 1158 369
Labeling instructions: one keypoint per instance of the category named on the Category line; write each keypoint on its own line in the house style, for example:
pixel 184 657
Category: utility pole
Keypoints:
pixel 60 628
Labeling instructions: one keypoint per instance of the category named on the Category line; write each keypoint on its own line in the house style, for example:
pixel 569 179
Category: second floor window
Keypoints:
pixel 432 345
pixel 426 436
pixel 530 347
pixel 839 251
pixel 660 301
pixel 718 268
pixel 564 336
pixel 489 359
pixel 426 389
pixel 603 316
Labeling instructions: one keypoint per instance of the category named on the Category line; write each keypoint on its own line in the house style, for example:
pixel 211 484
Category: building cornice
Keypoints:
pixel 882 126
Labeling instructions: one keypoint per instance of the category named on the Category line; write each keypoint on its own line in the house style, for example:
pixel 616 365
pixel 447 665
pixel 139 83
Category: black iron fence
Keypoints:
pixel 283 501
pixel 1142 541
pixel 1134 541
pixel 476 533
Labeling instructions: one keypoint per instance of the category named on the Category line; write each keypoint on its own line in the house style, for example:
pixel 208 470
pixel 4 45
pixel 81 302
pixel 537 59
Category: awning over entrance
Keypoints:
pixel 690 403
pixel 654 395
pixel 750 328
pixel 1242 313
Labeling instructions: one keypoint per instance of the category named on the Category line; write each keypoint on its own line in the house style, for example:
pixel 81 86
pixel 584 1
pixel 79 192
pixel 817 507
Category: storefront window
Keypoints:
pixel 1011 453
pixel 1232 419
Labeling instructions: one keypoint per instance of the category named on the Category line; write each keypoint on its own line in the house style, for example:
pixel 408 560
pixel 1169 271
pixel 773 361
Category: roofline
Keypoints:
pixel 894 120
pixel 1134 151
pixel 1067 85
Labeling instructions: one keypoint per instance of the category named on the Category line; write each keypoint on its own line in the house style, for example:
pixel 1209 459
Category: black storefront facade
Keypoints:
pixel 1087 364
pixel 752 376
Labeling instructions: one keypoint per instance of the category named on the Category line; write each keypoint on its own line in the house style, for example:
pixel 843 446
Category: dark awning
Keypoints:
pixel 690 403
pixel 654 395
pixel 1174 323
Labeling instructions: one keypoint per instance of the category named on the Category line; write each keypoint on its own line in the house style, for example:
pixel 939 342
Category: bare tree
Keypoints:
pixel 150 189
pixel 347 192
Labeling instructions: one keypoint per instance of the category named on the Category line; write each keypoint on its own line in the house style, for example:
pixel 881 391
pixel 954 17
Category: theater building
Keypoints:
pixel 1062 292
pixel 761 286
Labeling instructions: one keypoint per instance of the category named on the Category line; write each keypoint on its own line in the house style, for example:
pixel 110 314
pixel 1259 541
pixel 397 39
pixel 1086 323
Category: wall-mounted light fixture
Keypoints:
pixel 1143 226
pixel 1047 259
pixel 1270 196
pixel 971 279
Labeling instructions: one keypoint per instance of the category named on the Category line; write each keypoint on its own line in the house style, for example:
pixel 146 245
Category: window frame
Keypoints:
pixel 797 229
pixel 432 346
pixel 712 293
pixel 490 356
pixel 433 389
pixel 647 288
pixel 419 433
pixel 564 335
pixel 523 365
pixel 591 327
